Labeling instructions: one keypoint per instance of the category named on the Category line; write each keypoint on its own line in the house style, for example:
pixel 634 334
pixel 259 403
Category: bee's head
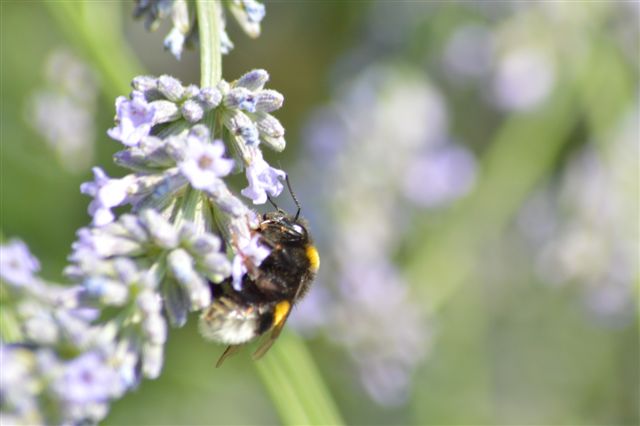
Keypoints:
pixel 288 228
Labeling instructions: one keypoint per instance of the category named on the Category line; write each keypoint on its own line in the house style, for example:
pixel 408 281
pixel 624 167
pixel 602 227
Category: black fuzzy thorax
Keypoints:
pixel 285 274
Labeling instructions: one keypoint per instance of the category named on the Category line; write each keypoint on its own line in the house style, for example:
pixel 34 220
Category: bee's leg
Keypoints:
pixel 231 350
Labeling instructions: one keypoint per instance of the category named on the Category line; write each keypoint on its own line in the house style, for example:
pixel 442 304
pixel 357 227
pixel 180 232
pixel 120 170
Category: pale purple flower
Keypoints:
pixel 523 80
pixel 204 163
pixel 107 193
pixel 248 252
pixel 263 179
pixel 437 178
pixel 17 264
pixel 89 379
pixel 134 119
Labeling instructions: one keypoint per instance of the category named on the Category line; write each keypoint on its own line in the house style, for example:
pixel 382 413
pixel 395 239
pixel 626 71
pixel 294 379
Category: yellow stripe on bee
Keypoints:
pixel 314 258
pixel 280 312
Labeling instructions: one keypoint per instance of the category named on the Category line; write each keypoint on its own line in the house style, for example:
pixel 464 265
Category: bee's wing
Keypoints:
pixel 230 351
pixel 280 314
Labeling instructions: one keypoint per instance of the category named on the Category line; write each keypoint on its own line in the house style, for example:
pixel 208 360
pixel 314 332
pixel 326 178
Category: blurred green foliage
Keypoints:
pixel 508 349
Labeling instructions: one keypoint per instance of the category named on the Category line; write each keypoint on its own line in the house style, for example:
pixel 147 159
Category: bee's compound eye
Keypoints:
pixel 297 228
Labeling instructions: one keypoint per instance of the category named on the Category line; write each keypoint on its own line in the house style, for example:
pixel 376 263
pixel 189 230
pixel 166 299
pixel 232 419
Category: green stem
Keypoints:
pixel 295 385
pixel 94 29
pixel 210 54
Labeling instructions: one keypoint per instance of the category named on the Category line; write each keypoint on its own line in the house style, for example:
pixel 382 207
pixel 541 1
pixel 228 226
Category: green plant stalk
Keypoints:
pixel 295 385
pixel 287 371
pixel 209 15
pixel 94 28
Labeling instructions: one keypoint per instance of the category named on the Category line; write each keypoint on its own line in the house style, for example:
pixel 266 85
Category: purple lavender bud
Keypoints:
pixel 163 192
pixel 154 327
pixel 171 88
pixel 165 111
pixel 268 100
pixel 276 144
pixel 149 302
pixel 144 83
pixel 269 125
pixel 241 126
pixel 126 270
pixel 108 291
pixel 196 243
pixel 201 132
pixel 191 91
pixel 134 228
pixel 181 266
pixel 253 80
pixel 241 98
pixel 223 87
pixel 176 302
pixel 192 111
pixel 153 358
pixel 226 201
pixel 209 97
pixel 161 231
pixel 215 266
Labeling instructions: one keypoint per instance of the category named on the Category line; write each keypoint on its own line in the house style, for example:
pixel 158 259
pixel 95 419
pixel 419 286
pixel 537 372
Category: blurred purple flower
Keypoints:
pixel 134 119
pixel 88 379
pixel 437 178
pixel 523 80
pixel 17 264
pixel 255 11
pixel 174 42
pixel 204 163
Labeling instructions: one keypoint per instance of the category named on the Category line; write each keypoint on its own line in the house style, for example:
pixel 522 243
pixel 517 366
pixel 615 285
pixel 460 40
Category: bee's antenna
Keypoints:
pixel 293 195
pixel 272 203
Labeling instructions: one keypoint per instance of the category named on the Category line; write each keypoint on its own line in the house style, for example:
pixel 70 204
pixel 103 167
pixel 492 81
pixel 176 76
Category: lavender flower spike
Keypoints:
pixel 263 179
pixel 134 119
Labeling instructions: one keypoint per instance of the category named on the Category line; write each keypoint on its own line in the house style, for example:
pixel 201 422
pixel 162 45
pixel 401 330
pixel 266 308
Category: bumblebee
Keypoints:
pixel 267 296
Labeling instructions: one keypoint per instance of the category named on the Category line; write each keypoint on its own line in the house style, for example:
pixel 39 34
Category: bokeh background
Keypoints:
pixel 470 171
